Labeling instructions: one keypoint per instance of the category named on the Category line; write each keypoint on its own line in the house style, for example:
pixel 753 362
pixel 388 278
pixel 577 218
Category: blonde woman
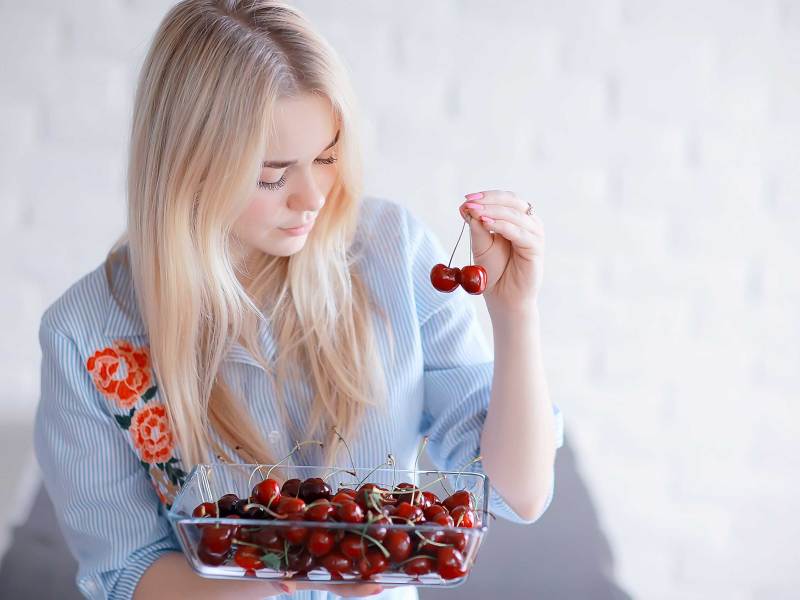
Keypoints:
pixel 257 299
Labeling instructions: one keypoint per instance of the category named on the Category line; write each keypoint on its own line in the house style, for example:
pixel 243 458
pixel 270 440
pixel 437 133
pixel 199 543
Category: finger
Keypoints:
pixel 519 237
pixel 501 197
pixel 505 213
pixel 481 238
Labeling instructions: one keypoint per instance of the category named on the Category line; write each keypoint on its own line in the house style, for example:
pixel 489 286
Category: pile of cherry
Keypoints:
pixel 369 548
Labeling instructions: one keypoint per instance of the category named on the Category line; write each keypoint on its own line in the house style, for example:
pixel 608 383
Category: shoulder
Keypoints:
pixel 388 227
pixel 87 312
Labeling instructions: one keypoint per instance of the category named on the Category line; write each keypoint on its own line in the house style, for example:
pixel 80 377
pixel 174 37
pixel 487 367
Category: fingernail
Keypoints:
pixel 475 196
pixel 473 206
pixel 285 587
pixel 486 219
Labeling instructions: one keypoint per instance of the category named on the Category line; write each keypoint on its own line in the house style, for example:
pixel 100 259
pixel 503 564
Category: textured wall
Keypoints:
pixel 659 141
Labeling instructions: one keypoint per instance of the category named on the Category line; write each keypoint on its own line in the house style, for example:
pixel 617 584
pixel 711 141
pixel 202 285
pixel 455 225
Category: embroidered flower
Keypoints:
pixel 121 373
pixel 151 433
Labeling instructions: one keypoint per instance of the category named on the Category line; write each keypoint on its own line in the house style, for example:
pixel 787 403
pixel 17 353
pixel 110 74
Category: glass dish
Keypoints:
pixel 207 483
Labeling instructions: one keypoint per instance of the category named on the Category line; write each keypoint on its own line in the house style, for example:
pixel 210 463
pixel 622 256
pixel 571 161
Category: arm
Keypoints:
pixel 171 577
pixel 508 241
pixel 462 384
pixel 520 411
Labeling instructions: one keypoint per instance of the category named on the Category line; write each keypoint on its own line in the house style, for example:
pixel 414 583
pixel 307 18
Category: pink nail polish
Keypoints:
pixel 473 206
pixel 475 196
pixel 486 219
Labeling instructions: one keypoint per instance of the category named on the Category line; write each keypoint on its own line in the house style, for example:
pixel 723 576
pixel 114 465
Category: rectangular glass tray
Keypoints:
pixel 208 482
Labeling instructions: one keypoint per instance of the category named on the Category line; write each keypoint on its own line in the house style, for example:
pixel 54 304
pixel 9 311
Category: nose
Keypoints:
pixel 307 196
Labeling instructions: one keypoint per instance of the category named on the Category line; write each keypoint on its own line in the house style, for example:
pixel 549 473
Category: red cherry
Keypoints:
pixel 343 496
pixel 429 499
pixel 268 493
pixel 398 543
pixel 320 542
pixel 378 529
pixel 302 562
pixel 419 565
pixel 249 558
pixel 314 488
pixel 211 558
pixel 370 496
pixel 373 563
pixel 444 278
pixel 336 562
pixel 288 506
pixel 353 546
pixel 450 563
pixel 227 504
pixel 267 538
pixel 350 512
pixel 291 487
pixel 206 509
pixel 433 510
pixel 458 540
pixel 217 539
pixel 459 498
pixel 320 510
pixel 404 510
pixel 473 279
pixel 296 535
pixel 463 516
pixel 443 519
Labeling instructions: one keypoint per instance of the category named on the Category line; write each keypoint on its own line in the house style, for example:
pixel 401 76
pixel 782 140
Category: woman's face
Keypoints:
pixel 288 197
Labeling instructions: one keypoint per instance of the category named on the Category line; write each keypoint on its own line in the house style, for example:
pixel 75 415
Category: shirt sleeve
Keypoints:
pixel 106 506
pixel 458 370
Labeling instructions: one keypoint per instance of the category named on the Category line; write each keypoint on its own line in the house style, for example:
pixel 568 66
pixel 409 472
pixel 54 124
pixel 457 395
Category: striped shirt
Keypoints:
pixel 95 413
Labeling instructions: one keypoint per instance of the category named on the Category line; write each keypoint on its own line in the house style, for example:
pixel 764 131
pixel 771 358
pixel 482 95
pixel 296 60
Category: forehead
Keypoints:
pixel 302 127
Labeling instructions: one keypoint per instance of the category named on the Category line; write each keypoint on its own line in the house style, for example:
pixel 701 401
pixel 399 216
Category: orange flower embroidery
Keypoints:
pixel 151 433
pixel 121 373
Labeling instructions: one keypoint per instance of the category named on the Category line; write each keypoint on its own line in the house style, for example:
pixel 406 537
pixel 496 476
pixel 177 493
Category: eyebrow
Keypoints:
pixel 281 164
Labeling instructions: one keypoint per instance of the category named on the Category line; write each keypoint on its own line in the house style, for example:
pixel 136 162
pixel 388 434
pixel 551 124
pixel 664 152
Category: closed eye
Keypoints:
pixel 274 185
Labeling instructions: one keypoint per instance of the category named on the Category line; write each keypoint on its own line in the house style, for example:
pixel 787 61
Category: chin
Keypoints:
pixel 287 248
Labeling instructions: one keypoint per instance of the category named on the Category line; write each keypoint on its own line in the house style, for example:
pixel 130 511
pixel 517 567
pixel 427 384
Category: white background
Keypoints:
pixel 659 142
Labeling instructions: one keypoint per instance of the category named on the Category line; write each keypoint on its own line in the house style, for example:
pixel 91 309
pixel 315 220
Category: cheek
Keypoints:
pixel 258 217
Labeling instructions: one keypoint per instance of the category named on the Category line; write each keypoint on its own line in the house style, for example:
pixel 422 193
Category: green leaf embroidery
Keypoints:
pixel 145 465
pixel 125 420
pixel 149 393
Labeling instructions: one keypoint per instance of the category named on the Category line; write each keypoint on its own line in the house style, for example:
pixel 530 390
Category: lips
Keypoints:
pixel 301 226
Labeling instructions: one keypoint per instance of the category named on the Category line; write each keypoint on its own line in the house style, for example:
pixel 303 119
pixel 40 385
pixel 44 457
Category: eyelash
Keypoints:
pixel 274 185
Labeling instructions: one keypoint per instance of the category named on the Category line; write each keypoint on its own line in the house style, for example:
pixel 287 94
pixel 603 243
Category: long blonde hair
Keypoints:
pixel 203 120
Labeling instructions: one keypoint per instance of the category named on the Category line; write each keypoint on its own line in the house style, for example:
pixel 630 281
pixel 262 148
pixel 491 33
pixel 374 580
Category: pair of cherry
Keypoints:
pixel 472 278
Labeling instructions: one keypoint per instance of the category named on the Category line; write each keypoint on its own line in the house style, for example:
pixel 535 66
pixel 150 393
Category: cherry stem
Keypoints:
pixel 424 438
pixel 456 246
pixel 349 454
pixel 400 564
pixel 461 470
pixel 335 471
pixel 431 542
pixel 471 258
pixel 380 546
pixel 371 472
pixel 297 447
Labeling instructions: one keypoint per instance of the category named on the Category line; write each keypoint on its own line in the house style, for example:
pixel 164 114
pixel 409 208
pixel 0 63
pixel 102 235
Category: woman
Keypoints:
pixel 257 299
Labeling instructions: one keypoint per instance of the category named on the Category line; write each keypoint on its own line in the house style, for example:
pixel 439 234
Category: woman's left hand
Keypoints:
pixel 513 255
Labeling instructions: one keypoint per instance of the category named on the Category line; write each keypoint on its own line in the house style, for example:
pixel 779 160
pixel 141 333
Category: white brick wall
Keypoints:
pixel 659 140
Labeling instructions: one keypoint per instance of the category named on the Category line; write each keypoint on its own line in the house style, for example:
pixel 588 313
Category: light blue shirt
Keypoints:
pixel 106 486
